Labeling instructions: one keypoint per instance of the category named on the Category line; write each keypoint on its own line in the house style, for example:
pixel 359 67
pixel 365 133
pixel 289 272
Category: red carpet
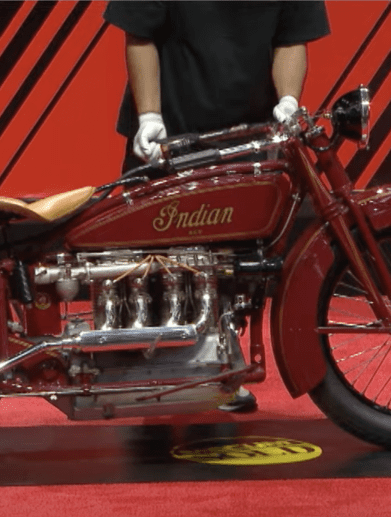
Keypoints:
pixel 310 498
pixel 361 497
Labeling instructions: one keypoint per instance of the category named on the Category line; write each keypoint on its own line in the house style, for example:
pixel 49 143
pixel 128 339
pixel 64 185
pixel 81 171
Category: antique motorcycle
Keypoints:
pixel 131 298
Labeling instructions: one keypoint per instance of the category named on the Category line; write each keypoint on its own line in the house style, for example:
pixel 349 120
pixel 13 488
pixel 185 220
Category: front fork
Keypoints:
pixel 333 210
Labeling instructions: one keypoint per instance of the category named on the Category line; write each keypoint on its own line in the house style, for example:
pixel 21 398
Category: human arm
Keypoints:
pixel 299 23
pixel 288 72
pixel 143 68
pixel 289 69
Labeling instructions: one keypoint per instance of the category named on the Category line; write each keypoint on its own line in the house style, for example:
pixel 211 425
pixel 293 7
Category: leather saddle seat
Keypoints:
pixel 50 208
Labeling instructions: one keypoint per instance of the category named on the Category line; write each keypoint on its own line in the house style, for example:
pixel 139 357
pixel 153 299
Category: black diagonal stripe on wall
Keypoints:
pixel 380 76
pixel 24 36
pixel 356 162
pixel 383 173
pixel 23 146
pixel 375 29
pixel 379 132
pixel 7 11
pixel 374 85
pixel 42 64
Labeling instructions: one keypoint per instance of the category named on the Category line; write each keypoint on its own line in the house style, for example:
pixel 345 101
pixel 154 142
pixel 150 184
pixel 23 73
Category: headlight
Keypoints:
pixel 350 115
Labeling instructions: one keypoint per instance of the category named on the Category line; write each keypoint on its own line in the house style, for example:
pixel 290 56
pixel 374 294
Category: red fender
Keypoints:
pixel 294 315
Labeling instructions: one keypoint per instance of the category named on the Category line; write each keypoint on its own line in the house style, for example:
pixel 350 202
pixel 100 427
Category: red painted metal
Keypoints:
pixel 295 311
pixel 236 202
pixel 4 344
pixel 376 205
pixel 333 207
pixel 257 348
pixel 340 182
pixel 43 316
pixel 238 375
pixel 295 307
pixel 214 208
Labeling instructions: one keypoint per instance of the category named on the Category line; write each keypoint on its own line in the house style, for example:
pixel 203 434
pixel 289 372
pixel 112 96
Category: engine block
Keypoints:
pixel 135 289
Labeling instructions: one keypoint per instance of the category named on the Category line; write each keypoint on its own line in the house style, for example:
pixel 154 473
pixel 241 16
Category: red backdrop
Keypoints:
pixel 74 143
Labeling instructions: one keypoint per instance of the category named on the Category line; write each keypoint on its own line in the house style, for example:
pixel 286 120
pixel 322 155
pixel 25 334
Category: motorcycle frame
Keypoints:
pixel 332 208
pixel 340 210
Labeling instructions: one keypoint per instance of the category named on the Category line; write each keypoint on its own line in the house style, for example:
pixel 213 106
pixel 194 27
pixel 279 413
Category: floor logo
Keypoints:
pixel 247 450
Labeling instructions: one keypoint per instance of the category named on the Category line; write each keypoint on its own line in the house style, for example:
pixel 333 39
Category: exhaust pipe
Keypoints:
pixel 111 340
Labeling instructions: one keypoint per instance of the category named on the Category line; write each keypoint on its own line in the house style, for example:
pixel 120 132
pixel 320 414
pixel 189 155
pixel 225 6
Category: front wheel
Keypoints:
pixel 356 391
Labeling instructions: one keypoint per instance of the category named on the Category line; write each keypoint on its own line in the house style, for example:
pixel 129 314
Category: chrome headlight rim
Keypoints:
pixel 350 115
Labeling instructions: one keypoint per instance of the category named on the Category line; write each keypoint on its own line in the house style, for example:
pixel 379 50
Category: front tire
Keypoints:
pixel 356 391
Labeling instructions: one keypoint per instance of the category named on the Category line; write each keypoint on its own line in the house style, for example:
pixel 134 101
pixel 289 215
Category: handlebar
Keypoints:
pixel 349 118
pixel 211 156
pixel 270 136
pixel 186 141
pixel 195 159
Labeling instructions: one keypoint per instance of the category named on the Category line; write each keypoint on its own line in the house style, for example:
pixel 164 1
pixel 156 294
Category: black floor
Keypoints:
pixel 118 454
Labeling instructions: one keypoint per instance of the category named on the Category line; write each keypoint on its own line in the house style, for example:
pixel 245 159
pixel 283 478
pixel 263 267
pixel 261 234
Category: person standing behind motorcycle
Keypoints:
pixel 197 66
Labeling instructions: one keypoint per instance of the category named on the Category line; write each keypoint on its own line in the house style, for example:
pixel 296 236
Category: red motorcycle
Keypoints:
pixel 130 299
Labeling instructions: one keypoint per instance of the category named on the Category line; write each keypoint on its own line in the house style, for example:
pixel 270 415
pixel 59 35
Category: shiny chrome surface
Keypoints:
pixel 350 115
pixel 109 340
pixel 365 116
pixel 108 335
pixel 106 305
pixel 256 146
pixel 173 299
pixel 139 303
pixel 87 272
pixel 206 294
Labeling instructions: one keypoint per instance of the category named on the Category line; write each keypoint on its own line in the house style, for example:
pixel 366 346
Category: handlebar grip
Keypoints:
pixel 234 132
pixel 191 137
pixel 179 143
pixel 186 140
pixel 197 159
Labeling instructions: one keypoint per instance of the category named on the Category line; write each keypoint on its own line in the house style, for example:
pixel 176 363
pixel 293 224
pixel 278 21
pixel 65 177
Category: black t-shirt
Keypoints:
pixel 215 56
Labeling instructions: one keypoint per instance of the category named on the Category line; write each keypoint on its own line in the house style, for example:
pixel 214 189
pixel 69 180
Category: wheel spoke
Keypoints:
pixel 347 342
pixel 358 309
pixel 356 390
pixel 360 354
pixel 341 328
pixel 351 287
pixel 359 344
pixel 377 396
pixel 376 372
pixel 366 364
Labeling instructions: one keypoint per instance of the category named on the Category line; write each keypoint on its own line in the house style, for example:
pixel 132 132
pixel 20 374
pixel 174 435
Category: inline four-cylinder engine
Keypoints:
pixel 137 290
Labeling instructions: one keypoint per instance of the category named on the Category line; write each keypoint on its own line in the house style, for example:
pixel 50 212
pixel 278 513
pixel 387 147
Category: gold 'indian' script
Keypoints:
pixel 170 216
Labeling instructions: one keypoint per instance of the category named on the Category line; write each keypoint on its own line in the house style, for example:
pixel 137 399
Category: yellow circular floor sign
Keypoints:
pixel 247 450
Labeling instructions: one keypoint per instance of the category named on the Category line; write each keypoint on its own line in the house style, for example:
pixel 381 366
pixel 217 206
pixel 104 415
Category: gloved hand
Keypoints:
pixel 285 108
pixel 151 128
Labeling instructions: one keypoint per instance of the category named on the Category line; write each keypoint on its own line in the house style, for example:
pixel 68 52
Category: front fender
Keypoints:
pixel 294 313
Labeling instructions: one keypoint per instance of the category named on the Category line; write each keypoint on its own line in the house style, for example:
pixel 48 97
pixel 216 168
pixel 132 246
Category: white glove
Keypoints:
pixel 151 128
pixel 285 108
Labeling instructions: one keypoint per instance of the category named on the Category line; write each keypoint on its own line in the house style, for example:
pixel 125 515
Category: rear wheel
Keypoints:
pixel 356 392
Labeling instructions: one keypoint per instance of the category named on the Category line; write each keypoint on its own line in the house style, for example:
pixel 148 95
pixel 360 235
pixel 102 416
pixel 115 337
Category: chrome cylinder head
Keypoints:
pixel 139 303
pixel 106 304
pixel 173 299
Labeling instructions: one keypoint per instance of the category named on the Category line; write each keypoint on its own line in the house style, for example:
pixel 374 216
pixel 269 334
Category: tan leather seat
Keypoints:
pixel 49 208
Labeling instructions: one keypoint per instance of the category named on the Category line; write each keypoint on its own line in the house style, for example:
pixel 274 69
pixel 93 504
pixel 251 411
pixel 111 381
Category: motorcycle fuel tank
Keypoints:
pixel 174 211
